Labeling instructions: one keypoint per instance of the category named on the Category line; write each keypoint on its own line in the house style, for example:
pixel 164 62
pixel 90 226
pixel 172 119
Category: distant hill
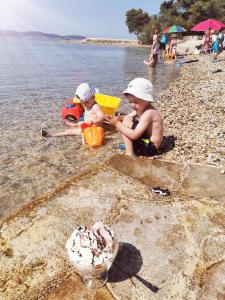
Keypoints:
pixel 39 35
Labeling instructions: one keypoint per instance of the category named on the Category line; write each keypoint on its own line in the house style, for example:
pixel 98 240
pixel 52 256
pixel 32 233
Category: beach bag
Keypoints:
pixel 93 135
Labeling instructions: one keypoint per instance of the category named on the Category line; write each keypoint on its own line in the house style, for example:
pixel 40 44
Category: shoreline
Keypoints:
pixel 183 46
pixel 104 42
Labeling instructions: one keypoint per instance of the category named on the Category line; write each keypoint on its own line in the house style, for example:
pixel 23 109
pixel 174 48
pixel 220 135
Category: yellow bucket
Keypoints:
pixel 108 104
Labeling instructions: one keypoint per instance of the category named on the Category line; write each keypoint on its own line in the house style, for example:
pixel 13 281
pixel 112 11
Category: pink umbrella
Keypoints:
pixel 210 23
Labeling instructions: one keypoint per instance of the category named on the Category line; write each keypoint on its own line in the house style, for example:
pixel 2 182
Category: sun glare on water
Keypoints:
pixel 14 14
pixel 30 15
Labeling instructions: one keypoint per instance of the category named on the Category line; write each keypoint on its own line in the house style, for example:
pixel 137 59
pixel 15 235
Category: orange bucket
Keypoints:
pixel 94 136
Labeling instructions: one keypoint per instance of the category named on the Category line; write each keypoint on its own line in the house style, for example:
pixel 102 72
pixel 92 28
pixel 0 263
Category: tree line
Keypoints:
pixel 185 13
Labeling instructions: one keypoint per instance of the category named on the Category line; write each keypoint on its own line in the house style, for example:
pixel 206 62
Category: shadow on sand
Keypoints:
pixel 168 144
pixel 127 264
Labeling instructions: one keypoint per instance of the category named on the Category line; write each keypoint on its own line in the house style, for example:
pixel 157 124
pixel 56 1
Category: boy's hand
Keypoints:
pixel 120 116
pixel 113 120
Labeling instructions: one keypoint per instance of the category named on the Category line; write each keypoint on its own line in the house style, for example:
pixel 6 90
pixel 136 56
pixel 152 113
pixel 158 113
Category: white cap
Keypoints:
pixel 141 88
pixel 85 91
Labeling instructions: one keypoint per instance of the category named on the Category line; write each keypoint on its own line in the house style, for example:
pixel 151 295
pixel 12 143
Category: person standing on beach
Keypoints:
pixel 142 129
pixel 163 43
pixel 173 47
pixel 207 39
pixel 154 53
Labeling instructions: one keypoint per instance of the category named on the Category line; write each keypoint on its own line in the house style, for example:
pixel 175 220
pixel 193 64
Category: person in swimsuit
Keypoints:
pixel 173 47
pixel 206 41
pixel 142 129
pixel 218 45
pixel 154 52
pixel 85 93
pixel 163 43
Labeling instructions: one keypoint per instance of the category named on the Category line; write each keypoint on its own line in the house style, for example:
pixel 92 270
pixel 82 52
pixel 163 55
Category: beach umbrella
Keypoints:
pixel 174 29
pixel 210 23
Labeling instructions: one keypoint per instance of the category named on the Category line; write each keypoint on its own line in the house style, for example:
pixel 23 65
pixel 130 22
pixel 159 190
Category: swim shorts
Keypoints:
pixel 143 146
pixel 162 46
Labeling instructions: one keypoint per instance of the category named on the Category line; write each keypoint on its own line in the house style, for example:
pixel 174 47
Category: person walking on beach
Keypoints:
pixel 154 53
pixel 85 93
pixel 142 129
pixel 218 45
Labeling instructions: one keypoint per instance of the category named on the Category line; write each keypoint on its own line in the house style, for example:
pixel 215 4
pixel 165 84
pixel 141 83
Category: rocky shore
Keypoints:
pixel 193 108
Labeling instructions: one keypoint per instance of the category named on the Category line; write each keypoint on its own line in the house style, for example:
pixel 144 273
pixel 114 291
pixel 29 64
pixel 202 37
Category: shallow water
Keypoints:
pixel 37 78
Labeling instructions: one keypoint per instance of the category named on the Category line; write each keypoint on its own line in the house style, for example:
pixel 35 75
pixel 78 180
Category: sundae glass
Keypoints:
pixel 92 252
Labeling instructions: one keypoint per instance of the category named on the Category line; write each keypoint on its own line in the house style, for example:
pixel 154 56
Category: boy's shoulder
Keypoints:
pixel 150 113
pixel 151 110
pixel 96 106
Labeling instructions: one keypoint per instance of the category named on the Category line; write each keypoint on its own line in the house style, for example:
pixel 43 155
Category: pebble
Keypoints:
pixel 193 106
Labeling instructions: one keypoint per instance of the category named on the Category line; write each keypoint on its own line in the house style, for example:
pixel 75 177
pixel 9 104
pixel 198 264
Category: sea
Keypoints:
pixel 36 79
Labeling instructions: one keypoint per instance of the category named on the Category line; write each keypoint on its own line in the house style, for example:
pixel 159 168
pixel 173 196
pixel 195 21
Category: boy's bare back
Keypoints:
pixel 155 125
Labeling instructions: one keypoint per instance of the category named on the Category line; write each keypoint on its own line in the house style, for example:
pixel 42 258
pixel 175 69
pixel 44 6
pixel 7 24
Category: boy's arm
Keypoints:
pixel 132 114
pixel 134 134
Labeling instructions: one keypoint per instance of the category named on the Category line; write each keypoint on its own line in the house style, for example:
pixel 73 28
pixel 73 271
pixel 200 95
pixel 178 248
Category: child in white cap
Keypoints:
pixel 93 113
pixel 142 129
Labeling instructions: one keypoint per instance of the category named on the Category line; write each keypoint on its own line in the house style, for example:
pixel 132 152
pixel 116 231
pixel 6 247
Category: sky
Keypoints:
pixel 91 18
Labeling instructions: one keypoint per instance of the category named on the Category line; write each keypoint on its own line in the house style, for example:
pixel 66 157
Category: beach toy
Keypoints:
pixel 85 125
pixel 93 135
pixel 108 104
pixel 75 100
pixel 122 147
pixel 72 111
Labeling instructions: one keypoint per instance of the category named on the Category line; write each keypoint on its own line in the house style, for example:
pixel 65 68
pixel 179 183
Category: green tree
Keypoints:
pixel 136 19
pixel 195 11
pixel 148 31
pixel 203 9
pixel 168 13
pixel 185 13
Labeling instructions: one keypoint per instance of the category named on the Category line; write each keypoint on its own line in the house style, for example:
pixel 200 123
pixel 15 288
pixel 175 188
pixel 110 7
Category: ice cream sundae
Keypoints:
pixel 92 251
